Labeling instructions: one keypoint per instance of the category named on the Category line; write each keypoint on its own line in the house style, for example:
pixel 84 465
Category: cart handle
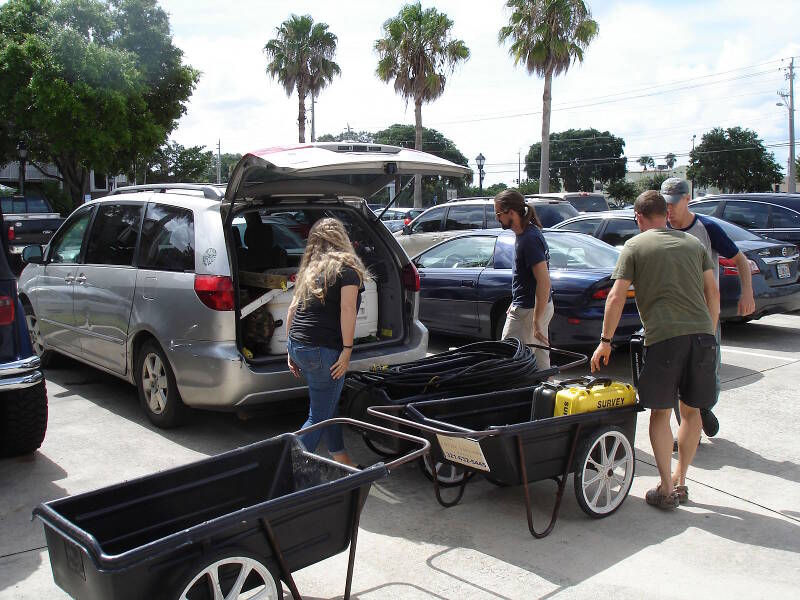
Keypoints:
pixel 385 412
pixel 426 445
pixel 580 359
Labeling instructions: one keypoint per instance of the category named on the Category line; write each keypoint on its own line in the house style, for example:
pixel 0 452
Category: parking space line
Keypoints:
pixel 748 353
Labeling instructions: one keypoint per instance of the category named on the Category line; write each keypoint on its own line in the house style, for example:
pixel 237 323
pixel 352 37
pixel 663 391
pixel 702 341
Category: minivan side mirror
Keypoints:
pixel 33 254
pixel 406 229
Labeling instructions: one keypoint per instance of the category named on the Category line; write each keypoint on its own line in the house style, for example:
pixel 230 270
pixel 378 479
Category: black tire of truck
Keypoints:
pixel 23 420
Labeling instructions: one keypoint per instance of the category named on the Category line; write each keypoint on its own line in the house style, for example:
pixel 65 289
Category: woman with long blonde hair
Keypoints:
pixel 321 323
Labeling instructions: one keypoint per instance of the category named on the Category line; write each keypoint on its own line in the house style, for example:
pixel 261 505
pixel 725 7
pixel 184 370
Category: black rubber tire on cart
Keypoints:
pixel 158 391
pixel 447 475
pixel 45 356
pixel 219 574
pixel 604 467
pixel 23 420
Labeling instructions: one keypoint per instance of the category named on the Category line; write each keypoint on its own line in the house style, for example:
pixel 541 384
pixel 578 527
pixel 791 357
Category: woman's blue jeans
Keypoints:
pixel 323 391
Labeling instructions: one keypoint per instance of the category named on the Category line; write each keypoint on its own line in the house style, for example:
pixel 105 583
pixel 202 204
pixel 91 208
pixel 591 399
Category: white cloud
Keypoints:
pixel 641 45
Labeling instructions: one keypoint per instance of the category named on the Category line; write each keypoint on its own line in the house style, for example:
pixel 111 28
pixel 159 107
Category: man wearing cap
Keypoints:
pixel 678 302
pixel 717 243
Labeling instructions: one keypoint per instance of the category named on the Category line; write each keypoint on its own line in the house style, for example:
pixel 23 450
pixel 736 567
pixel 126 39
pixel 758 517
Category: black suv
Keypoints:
pixel 772 215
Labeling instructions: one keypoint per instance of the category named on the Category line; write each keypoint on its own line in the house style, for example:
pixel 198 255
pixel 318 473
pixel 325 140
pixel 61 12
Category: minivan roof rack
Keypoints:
pixel 211 192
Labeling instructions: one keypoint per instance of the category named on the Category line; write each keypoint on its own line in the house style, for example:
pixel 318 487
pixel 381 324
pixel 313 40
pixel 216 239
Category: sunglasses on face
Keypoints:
pixel 499 214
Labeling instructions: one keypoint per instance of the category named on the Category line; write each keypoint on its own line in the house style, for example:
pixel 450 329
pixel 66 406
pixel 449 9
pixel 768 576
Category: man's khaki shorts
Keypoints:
pixel 519 324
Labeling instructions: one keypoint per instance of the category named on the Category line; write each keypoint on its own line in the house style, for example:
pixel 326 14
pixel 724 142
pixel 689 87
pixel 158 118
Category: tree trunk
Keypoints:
pixel 74 176
pixel 544 168
pixel 418 146
pixel 301 113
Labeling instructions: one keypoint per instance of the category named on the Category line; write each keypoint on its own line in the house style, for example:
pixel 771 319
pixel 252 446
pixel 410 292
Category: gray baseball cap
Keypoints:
pixel 673 189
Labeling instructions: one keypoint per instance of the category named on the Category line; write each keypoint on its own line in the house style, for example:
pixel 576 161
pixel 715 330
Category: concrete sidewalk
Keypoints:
pixel 739 537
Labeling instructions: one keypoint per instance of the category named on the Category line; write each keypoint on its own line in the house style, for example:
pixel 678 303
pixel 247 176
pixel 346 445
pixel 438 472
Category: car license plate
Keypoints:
pixel 783 271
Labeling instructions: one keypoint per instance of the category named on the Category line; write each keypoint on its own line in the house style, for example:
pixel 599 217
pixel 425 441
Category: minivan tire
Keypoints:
pixel 23 420
pixel 45 356
pixel 158 391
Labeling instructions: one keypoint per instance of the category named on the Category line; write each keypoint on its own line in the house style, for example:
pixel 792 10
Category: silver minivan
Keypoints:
pixel 182 289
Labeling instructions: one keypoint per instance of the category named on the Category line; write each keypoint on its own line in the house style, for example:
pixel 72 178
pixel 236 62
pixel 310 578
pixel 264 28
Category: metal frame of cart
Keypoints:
pixel 596 446
pixel 242 520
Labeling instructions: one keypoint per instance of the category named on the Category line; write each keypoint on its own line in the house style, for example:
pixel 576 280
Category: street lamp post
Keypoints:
pixel 480 160
pixel 22 152
pixel 694 135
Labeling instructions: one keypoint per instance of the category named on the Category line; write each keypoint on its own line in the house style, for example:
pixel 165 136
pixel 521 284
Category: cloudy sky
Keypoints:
pixel 657 74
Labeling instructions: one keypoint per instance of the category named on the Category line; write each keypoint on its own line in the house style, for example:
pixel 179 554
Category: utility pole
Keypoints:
pixel 313 133
pixel 219 161
pixel 792 176
pixel 519 167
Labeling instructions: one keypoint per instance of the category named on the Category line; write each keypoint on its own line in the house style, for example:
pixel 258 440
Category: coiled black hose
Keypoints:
pixel 480 365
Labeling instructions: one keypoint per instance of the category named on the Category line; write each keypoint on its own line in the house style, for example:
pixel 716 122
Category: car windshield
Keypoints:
pixel 550 214
pixel 570 250
pixel 589 203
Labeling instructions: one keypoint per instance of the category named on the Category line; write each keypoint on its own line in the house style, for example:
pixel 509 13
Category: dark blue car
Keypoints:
pixel 466 286
pixel 23 397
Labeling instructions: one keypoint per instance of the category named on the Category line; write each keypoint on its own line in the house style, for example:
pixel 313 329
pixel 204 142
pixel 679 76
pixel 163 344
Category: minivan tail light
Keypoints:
pixel 411 278
pixel 6 310
pixel 215 291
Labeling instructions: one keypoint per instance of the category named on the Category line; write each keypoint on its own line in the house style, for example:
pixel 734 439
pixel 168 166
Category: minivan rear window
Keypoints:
pixel 167 239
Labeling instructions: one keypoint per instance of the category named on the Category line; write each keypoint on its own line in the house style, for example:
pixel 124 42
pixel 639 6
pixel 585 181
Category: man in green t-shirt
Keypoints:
pixel 678 301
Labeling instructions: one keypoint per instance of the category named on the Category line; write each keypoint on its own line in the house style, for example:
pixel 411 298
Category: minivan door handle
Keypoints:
pixel 467 283
pixel 69 279
pixel 80 278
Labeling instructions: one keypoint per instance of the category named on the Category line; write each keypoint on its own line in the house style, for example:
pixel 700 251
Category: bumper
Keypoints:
pixel 769 301
pixel 213 375
pixel 20 374
pixel 587 331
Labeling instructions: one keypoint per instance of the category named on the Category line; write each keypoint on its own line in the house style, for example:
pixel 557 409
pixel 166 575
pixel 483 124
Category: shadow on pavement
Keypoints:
pixel 727 453
pixel 732 376
pixel 761 336
pixel 27 481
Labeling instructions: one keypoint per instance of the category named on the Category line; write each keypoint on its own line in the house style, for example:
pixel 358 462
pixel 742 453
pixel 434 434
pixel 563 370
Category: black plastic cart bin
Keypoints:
pixel 242 520
pixel 493 434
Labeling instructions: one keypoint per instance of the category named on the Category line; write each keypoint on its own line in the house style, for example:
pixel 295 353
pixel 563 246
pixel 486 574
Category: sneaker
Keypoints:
pixel 682 492
pixel 655 498
pixel 710 423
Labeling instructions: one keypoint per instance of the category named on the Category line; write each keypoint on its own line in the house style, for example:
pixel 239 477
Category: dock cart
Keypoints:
pixel 503 435
pixel 230 526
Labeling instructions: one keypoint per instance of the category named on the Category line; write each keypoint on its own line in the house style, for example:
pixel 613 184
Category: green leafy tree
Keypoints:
pixel 547 36
pixel 528 186
pixel 173 163
pixel 301 58
pixel 646 161
pixel 651 183
pixel 88 84
pixel 621 191
pixel 579 157
pixel 227 162
pixel 418 52
pixel 670 159
pixel 355 136
pixel 434 143
pixel 733 160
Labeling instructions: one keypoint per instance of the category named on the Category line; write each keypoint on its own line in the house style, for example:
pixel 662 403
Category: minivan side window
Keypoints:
pixel 66 248
pixel 784 218
pixel 464 217
pixel 429 222
pixel 167 239
pixel 750 215
pixel 112 240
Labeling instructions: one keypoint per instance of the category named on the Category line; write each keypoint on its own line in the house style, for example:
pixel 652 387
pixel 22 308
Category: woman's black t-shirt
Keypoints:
pixel 319 324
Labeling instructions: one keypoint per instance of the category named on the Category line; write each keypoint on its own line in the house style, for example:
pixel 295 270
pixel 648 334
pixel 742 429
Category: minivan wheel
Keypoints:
pixel 45 356
pixel 158 392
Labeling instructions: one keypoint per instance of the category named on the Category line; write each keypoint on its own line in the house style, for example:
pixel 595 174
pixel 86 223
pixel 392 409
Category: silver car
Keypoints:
pixel 182 290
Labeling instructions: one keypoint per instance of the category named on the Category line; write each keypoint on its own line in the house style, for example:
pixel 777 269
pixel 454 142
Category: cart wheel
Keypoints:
pixel 604 468
pixel 447 475
pixel 378 448
pixel 234 575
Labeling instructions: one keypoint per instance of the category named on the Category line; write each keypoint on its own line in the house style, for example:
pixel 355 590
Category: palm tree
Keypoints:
pixel 301 57
pixel 547 36
pixel 418 52
pixel 646 161
pixel 670 160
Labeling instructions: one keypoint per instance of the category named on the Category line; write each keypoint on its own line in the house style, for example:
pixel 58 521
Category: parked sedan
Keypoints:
pixel 773 264
pixel 465 286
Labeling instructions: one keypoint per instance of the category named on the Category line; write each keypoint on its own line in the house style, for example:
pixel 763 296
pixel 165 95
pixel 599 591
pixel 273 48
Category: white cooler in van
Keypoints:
pixel 366 320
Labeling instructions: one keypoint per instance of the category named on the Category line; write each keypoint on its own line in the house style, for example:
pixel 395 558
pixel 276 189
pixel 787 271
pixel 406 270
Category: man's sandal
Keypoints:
pixel 655 498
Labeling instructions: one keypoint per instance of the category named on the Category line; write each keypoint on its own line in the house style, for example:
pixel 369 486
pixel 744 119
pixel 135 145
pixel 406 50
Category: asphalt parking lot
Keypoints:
pixel 738 537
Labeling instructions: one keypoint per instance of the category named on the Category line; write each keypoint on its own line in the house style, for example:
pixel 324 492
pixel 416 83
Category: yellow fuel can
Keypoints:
pixel 593 394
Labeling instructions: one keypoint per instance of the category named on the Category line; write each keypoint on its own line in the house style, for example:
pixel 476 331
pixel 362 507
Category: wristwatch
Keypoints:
pixel 605 340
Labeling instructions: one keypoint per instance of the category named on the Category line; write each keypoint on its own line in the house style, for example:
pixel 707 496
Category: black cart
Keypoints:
pixel 494 434
pixel 235 523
